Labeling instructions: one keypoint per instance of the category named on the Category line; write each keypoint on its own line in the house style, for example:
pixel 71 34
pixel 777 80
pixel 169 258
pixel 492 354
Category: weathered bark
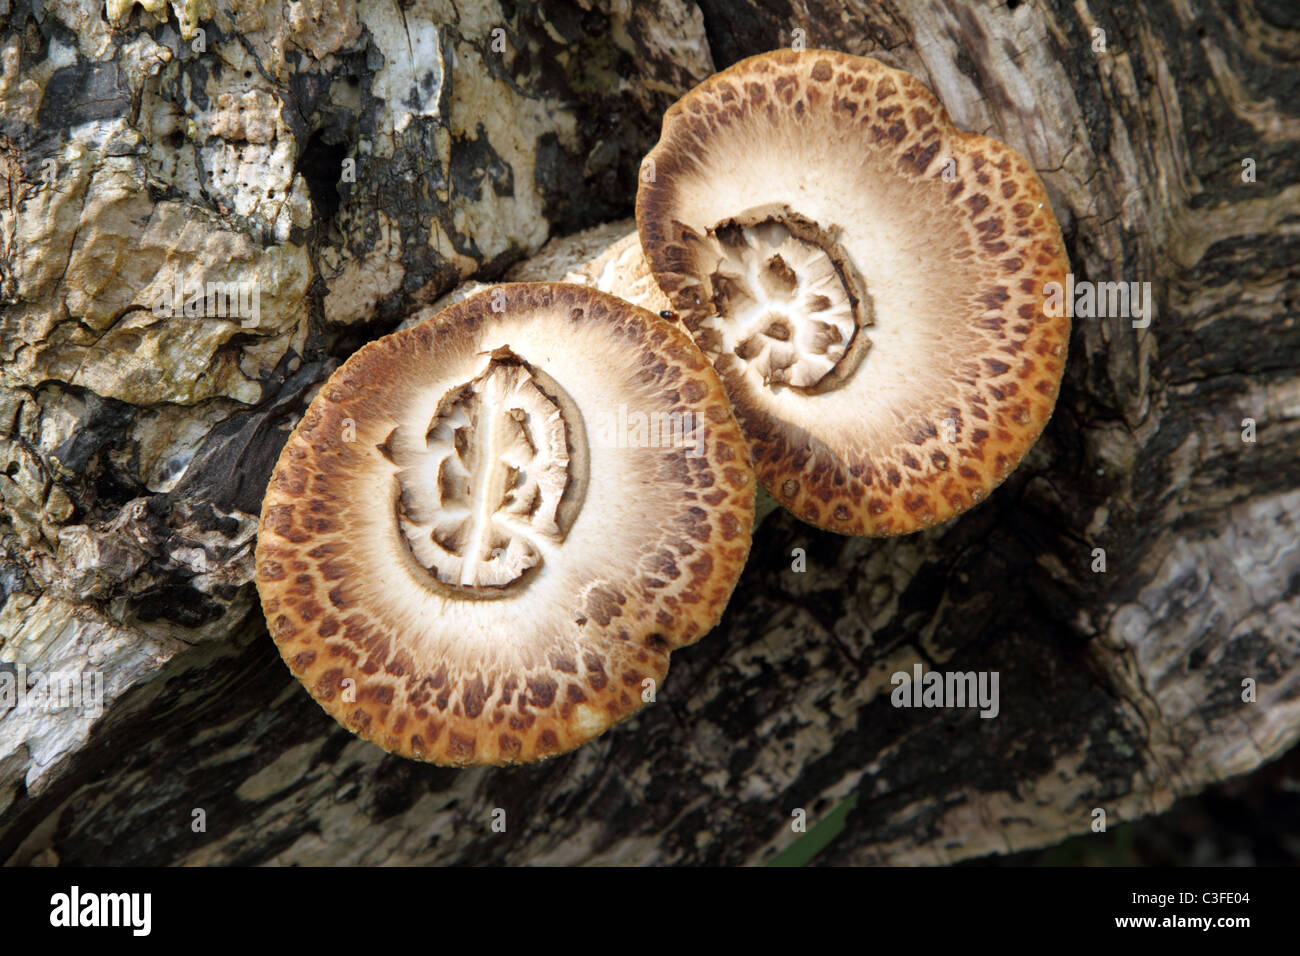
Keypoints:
pixel 136 448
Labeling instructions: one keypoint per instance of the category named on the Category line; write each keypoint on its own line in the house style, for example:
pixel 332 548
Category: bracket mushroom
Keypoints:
pixel 489 531
pixel 868 280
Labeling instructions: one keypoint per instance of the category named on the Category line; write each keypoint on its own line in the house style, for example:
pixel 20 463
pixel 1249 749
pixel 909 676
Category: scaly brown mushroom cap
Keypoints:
pixel 868 280
pixel 488 531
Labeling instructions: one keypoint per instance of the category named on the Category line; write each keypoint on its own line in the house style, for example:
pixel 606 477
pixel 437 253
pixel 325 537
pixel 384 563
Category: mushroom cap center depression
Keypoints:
pixel 787 300
pixel 490 485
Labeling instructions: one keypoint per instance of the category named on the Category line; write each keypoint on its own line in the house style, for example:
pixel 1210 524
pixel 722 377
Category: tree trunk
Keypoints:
pixel 1135 584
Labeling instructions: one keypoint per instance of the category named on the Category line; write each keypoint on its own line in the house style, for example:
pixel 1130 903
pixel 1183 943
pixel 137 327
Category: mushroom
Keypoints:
pixel 478 548
pixel 868 280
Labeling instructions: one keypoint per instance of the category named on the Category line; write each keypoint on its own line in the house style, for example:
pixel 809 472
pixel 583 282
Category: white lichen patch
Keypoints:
pixel 512 125
pixel 410 80
pixel 247 157
pixel 85 19
pixel 322 27
pixel 51 636
pixel 143 57
pixel 188 13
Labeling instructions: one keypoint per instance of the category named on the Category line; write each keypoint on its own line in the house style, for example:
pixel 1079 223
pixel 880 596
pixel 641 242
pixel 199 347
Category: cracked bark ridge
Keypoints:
pixel 1120 690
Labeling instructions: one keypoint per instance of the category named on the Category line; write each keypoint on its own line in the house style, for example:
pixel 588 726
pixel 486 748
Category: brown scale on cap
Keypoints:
pixel 868 280
pixel 490 530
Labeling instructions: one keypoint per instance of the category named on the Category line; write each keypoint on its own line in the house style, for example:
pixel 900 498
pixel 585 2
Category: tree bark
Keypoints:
pixel 136 446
